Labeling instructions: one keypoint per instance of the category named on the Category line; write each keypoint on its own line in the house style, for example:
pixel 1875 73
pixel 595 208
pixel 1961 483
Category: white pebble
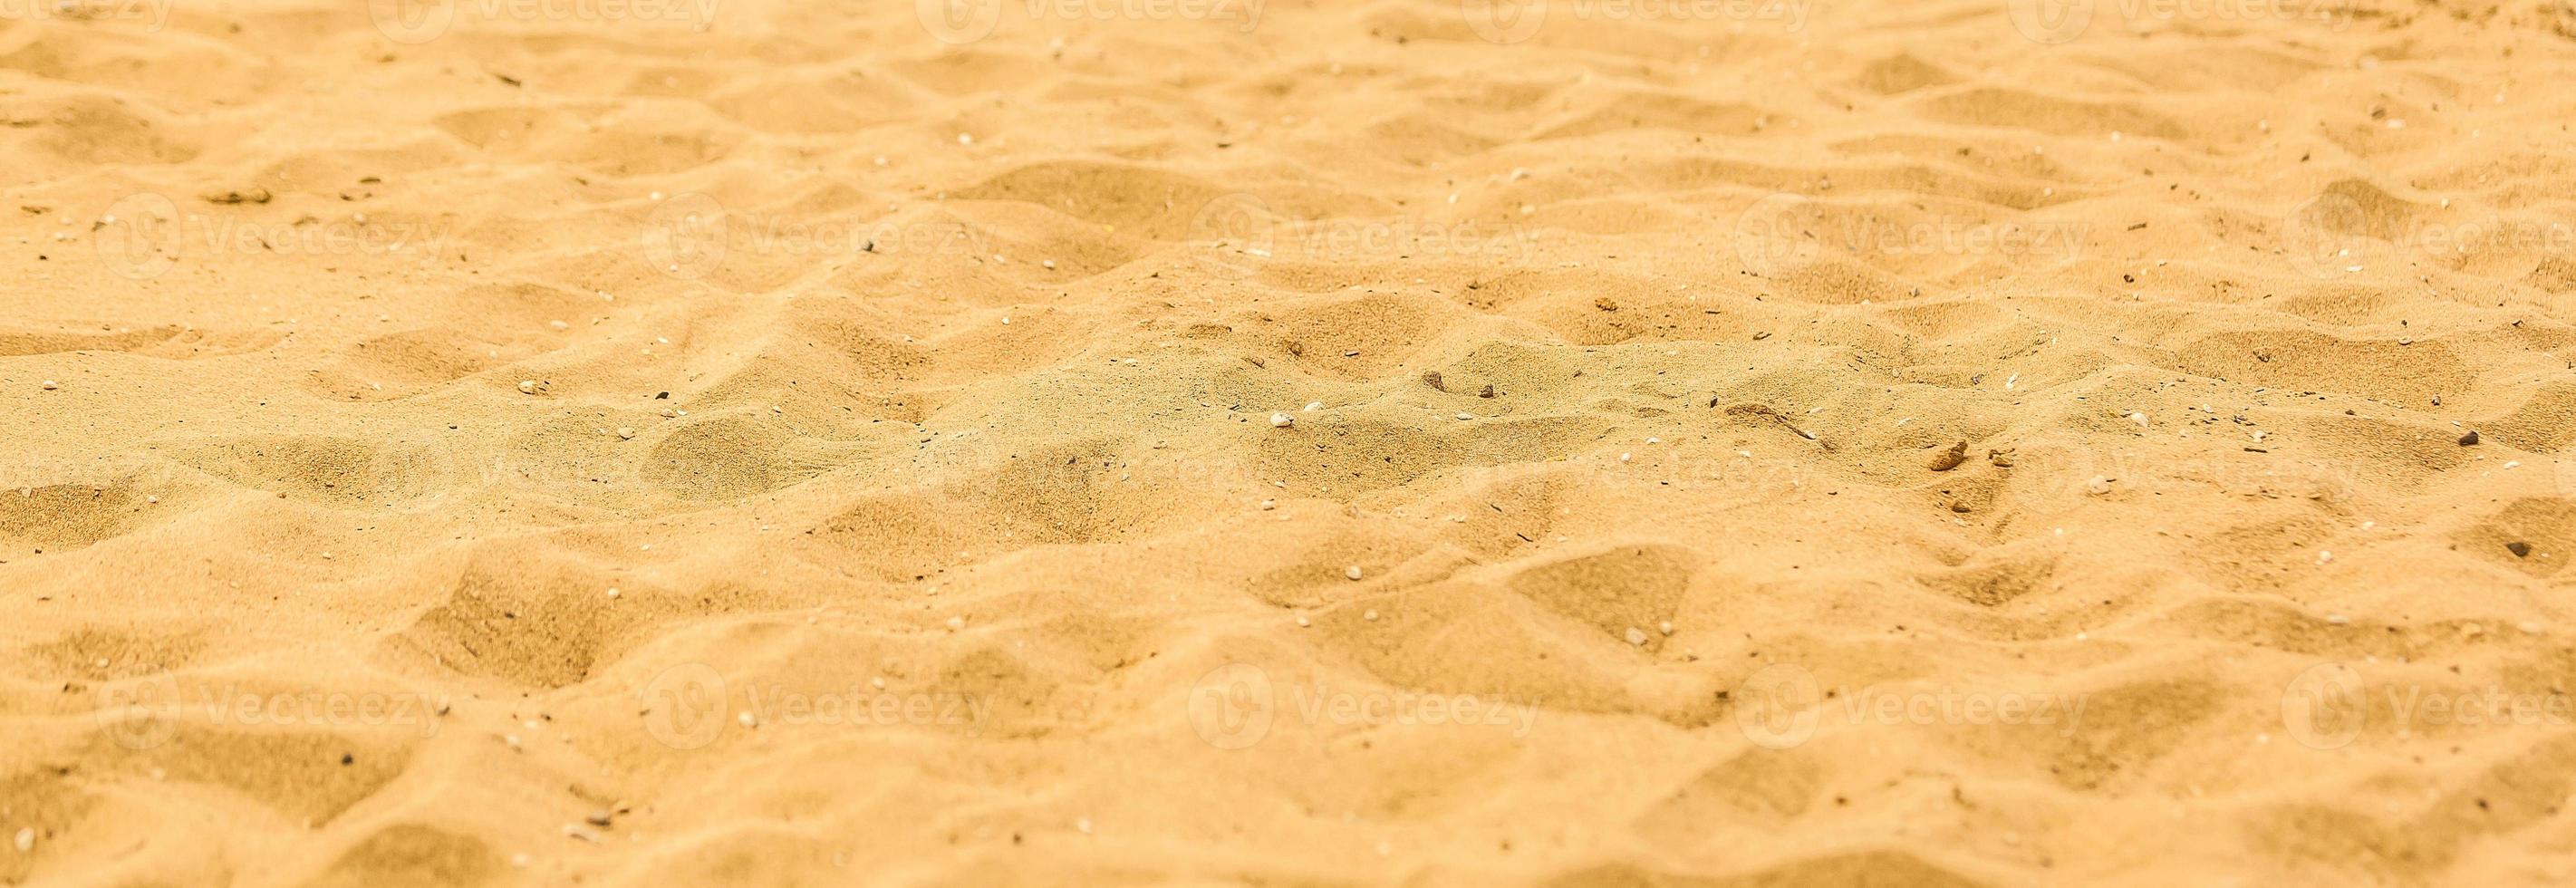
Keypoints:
pixel 50 385
pixel 1267 505
pixel 1371 616
pixel 956 623
pixel 26 839
pixel 527 386
pixel 2139 418
pixel 746 719
pixel 1282 420
pixel 2098 486
pixel 1636 636
pixel 612 592
pixel 1352 571
pixel 625 433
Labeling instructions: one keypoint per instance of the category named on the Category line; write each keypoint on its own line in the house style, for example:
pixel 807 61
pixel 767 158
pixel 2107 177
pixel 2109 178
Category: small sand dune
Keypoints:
pixel 1580 443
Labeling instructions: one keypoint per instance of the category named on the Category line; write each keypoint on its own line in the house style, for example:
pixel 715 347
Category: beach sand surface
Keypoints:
pixel 1293 443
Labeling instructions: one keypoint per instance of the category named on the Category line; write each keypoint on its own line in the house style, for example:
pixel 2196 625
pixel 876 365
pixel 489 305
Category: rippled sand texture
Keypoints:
pixel 1937 443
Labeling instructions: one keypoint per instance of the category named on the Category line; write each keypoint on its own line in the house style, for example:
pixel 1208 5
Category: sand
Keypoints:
pixel 728 443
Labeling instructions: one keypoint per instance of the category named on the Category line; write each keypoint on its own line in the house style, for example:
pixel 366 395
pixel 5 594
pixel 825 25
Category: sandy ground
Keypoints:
pixel 1728 443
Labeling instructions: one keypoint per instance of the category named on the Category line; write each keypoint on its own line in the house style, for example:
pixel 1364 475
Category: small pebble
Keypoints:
pixel 527 386
pixel 2098 486
pixel 625 433
pixel 956 623
pixel 1371 616
pixel 1352 571
pixel 2470 439
pixel 612 592
pixel 1636 636
pixel 26 839
pixel 50 385
pixel 2519 549
pixel 1282 420
pixel 1267 505
pixel 1312 406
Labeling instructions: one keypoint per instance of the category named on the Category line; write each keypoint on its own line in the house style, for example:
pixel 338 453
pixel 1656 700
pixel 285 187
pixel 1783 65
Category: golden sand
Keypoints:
pixel 1963 442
